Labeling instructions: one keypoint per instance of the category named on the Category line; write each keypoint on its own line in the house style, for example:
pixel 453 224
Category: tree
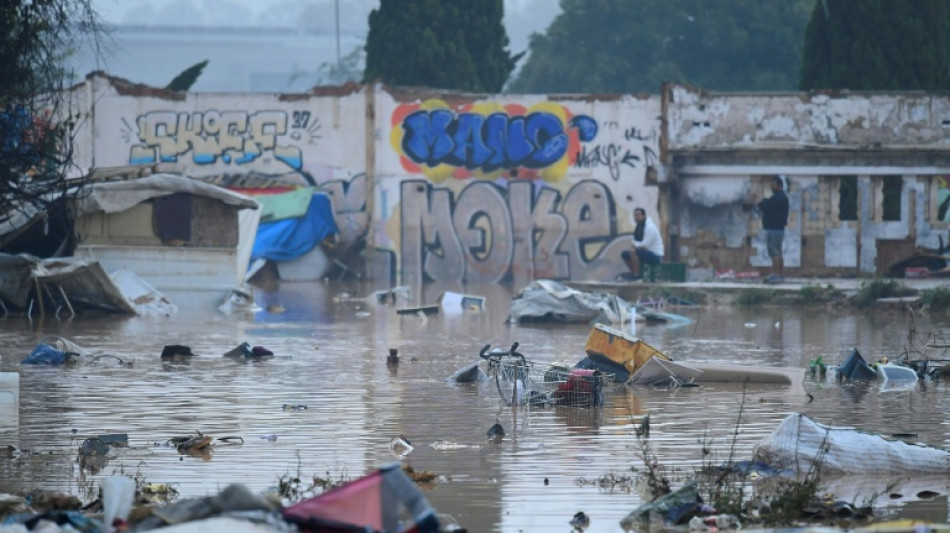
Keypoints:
pixel 459 45
pixel 620 46
pixel 877 45
pixel 187 78
pixel 36 123
pixel 349 69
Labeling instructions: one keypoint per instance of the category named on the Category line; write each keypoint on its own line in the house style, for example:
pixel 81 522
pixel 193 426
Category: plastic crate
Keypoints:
pixel 666 272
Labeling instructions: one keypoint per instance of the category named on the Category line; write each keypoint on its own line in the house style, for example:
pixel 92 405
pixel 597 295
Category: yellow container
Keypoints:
pixel 623 349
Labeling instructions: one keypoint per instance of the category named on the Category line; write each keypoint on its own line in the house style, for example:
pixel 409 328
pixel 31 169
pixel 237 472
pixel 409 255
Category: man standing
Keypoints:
pixel 647 245
pixel 774 211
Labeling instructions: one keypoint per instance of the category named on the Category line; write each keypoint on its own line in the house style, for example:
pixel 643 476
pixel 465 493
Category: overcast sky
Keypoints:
pixel 522 17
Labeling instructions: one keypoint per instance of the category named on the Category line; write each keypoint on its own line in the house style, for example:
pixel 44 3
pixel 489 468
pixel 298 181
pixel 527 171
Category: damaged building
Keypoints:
pixel 866 177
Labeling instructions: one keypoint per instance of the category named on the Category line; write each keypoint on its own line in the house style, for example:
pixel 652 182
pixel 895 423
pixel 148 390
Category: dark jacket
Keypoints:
pixel 774 211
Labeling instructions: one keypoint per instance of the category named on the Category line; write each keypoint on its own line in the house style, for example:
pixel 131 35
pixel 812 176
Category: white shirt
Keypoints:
pixel 652 240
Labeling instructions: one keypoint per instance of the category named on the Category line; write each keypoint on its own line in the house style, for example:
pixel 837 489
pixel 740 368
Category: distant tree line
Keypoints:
pixel 624 46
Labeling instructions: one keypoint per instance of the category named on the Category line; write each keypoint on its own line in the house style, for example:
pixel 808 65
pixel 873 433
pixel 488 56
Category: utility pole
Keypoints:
pixel 336 10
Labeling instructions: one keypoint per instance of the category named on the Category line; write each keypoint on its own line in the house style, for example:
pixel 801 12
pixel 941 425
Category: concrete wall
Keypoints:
pixel 724 148
pixel 438 187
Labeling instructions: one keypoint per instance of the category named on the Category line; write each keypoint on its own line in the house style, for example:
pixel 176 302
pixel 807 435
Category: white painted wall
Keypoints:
pixel 580 164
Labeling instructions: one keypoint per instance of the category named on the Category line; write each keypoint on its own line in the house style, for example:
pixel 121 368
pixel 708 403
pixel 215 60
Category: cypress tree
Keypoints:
pixel 460 45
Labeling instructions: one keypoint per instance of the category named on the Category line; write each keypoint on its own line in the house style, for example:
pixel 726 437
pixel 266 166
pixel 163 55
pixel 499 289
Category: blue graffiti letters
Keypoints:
pixel 498 141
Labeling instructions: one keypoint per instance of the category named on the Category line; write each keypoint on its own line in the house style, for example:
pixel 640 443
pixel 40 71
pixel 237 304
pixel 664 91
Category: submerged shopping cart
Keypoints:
pixel 524 382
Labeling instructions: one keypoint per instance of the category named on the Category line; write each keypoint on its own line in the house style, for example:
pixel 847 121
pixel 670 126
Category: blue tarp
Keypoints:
pixel 284 240
pixel 44 354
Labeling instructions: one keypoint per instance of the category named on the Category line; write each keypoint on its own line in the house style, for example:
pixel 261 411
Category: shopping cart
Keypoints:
pixel 524 382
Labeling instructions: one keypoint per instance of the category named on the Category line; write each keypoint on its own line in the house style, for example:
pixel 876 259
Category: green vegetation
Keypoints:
pixel 36 126
pixel 877 45
pixel 818 295
pixel 871 291
pixel 187 78
pixel 619 46
pixel 776 500
pixel 752 297
pixel 444 45
pixel 936 300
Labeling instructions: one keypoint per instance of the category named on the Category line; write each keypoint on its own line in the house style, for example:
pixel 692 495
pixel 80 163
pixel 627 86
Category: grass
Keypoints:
pixel 936 300
pixel 871 291
pixel 818 295
pixel 752 297
pixel 725 486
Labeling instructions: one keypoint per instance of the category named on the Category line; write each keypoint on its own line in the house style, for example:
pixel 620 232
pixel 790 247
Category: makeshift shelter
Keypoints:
pixel 177 233
pixel 371 503
pixel 294 243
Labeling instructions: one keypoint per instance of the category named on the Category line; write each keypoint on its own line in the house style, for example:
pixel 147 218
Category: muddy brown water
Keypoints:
pixel 331 357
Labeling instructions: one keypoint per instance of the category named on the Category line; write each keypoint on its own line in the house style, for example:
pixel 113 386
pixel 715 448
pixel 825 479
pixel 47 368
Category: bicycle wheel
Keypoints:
pixel 510 377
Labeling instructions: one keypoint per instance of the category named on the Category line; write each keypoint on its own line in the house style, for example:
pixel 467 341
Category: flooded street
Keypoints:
pixel 330 355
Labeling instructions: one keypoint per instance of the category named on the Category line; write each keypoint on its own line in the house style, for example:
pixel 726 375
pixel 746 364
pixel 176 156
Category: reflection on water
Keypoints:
pixel 330 356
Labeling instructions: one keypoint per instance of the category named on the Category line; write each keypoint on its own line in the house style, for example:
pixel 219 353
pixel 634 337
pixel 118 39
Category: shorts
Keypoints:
pixel 647 257
pixel 773 241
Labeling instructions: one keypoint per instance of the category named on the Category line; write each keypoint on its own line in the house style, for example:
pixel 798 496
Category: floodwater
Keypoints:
pixel 331 350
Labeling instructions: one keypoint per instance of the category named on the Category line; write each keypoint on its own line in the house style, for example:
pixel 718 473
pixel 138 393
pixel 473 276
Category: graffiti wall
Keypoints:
pixel 311 139
pixel 499 189
pixel 511 189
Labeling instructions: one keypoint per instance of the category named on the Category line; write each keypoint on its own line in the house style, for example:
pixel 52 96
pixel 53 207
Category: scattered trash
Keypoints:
pixel 453 302
pixel 550 301
pixel 732 274
pixel 855 368
pixel 448 445
pixel 9 389
pixel 362 314
pixel 269 436
pixel 144 298
pixel 372 502
pixel 670 319
pixel 425 309
pixel 521 381
pixel 158 492
pixel 239 300
pixel 199 443
pixel 581 521
pixel 798 442
pixel 53 351
pixel 423 476
pixel 639 518
pixel 115 439
pixel 93 446
pixel 470 373
pixel 393 357
pixel 496 432
pixel 750 325
pixel 118 494
pixel 297 407
pixel 205 513
pixel 663 372
pixel 231 439
pixel 391 296
pixel 176 350
pixel 246 351
pixel 400 446
pixel 614 352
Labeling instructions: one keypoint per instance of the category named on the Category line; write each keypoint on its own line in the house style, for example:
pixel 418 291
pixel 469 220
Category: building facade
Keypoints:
pixel 451 187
